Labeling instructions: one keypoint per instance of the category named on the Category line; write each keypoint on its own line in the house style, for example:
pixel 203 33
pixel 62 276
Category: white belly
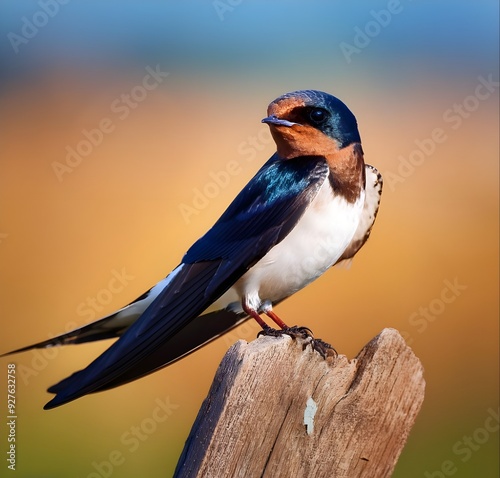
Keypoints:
pixel 312 247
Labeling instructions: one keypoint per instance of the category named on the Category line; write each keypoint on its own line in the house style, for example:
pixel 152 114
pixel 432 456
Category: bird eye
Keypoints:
pixel 318 115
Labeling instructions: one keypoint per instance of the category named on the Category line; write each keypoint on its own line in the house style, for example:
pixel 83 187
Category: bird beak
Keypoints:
pixel 277 122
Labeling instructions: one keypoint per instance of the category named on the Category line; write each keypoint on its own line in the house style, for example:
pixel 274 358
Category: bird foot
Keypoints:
pixel 323 348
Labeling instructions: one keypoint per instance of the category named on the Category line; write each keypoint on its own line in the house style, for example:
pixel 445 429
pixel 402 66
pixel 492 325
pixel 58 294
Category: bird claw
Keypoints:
pixel 323 348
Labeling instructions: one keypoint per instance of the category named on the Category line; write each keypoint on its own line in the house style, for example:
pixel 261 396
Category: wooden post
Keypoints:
pixel 276 408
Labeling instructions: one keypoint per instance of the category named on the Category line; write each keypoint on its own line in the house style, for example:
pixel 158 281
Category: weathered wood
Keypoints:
pixel 358 413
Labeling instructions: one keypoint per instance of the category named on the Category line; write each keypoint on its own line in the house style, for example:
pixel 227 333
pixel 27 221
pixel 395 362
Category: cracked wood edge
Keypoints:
pixel 256 420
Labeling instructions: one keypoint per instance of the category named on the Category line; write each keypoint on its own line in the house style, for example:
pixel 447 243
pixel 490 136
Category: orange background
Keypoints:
pixel 121 207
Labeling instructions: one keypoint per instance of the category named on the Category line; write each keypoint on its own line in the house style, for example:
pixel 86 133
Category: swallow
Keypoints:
pixel 309 207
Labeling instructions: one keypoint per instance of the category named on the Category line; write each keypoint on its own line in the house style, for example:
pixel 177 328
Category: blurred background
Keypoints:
pixel 108 175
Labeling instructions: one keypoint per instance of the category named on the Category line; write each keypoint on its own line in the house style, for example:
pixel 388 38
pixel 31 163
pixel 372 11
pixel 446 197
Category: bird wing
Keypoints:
pixel 197 333
pixel 261 216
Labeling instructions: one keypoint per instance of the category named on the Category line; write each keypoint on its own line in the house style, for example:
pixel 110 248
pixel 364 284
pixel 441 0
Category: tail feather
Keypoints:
pixel 110 327
pixel 99 330
pixel 196 334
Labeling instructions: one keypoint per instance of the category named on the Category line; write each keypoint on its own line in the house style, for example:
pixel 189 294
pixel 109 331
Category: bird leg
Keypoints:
pixel 323 348
pixel 255 315
pixel 276 319
pixel 267 309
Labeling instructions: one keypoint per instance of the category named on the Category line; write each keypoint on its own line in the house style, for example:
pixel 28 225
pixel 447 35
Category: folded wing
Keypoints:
pixel 265 211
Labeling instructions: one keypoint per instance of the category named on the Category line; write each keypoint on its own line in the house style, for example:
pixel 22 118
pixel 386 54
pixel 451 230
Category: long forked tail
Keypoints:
pixel 106 328
pixel 109 327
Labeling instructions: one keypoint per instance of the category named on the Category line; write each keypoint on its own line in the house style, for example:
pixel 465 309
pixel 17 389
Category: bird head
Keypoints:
pixel 310 123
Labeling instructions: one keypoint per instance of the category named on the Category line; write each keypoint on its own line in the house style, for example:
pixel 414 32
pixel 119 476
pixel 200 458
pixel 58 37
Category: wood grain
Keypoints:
pixel 358 412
